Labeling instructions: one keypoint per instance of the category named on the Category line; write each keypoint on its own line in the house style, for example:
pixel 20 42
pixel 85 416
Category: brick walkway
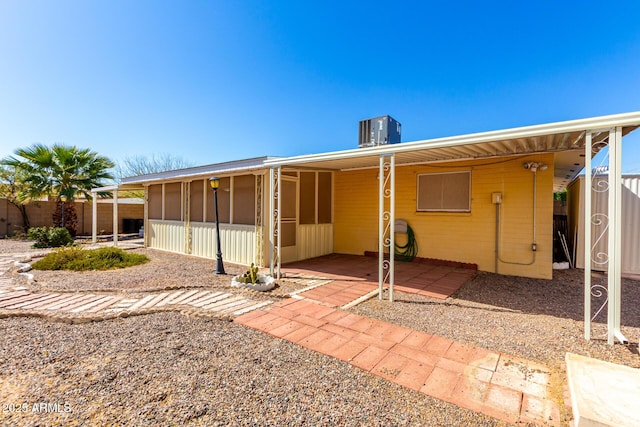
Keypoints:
pixel 352 277
pixel 502 386
pixel 86 305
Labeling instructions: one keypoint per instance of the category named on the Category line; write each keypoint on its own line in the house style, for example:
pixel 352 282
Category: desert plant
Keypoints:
pixel 77 259
pixel 250 276
pixel 49 237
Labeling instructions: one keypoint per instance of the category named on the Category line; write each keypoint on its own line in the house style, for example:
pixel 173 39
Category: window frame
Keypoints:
pixel 443 209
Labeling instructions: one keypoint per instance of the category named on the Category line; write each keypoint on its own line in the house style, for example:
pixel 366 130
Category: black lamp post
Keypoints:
pixel 63 199
pixel 215 183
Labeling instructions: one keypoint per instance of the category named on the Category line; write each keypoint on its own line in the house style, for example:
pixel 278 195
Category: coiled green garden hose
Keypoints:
pixel 408 251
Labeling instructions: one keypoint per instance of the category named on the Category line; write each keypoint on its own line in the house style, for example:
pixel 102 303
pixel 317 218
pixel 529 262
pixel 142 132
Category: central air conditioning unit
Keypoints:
pixel 379 131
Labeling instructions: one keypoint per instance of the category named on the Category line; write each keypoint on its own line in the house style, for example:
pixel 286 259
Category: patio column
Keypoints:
pixel 614 280
pixel 94 217
pixel 607 225
pixel 275 220
pixel 115 217
pixel 386 223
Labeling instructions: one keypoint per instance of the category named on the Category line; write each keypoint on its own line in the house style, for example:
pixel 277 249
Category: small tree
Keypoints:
pixel 144 165
pixel 15 191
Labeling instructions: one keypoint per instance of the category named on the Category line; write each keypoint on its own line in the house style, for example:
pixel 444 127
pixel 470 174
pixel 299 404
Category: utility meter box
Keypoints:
pixel 379 131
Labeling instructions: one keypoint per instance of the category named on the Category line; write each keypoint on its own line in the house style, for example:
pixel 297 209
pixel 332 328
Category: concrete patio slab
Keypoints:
pixel 603 393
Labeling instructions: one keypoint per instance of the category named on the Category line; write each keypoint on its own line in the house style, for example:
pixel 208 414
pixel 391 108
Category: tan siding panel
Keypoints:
pixel 173 201
pixel 196 201
pixel 154 193
pixel 244 195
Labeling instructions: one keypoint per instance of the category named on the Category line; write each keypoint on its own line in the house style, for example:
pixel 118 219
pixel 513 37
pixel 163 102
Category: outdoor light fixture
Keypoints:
pixel 215 183
pixel 535 166
pixel 63 199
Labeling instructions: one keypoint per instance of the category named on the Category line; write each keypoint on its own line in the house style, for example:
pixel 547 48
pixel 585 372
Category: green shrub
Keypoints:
pixel 39 234
pixel 59 236
pixel 77 259
pixel 49 237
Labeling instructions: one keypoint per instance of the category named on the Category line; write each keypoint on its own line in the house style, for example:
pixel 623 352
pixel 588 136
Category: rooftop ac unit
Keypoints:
pixel 379 131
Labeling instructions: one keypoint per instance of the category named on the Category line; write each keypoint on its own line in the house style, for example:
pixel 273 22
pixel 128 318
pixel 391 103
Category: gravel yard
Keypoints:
pixel 535 319
pixel 170 369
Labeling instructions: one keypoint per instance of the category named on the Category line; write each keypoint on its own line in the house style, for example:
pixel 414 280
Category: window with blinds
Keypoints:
pixel 444 192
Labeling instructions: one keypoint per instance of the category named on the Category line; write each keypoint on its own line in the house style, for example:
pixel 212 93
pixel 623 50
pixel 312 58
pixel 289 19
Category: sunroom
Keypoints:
pixel 180 211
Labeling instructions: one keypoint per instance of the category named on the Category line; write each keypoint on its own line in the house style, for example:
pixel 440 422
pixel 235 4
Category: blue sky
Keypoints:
pixel 214 81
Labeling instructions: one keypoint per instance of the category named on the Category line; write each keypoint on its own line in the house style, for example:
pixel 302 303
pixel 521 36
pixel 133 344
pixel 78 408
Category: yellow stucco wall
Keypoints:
pixel 465 237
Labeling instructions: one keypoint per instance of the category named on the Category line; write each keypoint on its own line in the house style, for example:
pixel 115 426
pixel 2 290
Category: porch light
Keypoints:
pixel 215 183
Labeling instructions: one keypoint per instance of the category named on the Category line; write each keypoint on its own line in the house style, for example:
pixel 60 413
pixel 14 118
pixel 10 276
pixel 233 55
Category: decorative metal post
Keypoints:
pixel 275 205
pixel 386 224
pixel 63 199
pixel 602 233
pixel 215 183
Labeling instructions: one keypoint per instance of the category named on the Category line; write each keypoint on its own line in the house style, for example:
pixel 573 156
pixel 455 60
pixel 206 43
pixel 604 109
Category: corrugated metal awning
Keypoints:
pixel 565 138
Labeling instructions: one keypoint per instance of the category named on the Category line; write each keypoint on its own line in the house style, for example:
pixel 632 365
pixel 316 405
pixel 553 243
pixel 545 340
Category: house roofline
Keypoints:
pixel 224 167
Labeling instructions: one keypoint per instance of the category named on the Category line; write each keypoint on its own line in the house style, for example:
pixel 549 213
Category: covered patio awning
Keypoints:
pixel 567 139
pixel 574 144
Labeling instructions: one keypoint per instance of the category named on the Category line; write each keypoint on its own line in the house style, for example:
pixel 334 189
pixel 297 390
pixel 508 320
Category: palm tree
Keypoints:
pixel 61 171
pixel 15 191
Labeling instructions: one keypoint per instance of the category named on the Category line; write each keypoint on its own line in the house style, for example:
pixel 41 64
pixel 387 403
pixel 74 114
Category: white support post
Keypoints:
pixel 381 177
pixel 386 223
pixel 115 217
pixel 275 223
pixel 392 225
pixel 279 225
pixel 271 221
pixel 615 236
pixel 94 217
pixel 587 235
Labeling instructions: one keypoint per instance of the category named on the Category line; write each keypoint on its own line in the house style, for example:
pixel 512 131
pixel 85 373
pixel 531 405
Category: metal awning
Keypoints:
pixel 567 139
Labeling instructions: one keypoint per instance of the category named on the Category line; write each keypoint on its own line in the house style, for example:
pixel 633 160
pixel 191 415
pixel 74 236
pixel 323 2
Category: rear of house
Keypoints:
pixel 483 199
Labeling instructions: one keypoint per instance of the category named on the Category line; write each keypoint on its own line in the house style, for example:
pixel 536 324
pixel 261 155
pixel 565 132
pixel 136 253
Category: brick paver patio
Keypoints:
pixel 355 276
pixel 502 386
